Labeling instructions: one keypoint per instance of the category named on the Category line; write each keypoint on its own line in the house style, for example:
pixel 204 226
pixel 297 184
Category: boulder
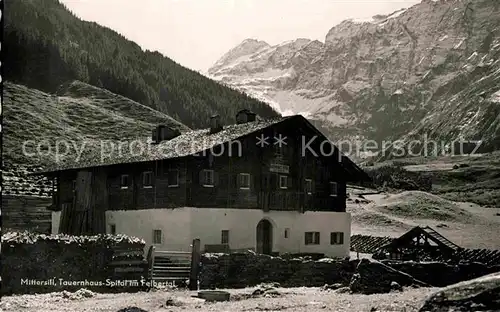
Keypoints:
pixel 342 290
pixel 132 309
pixel 214 295
pixel 332 286
pixel 395 286
pixel 373 277
pixel 480 294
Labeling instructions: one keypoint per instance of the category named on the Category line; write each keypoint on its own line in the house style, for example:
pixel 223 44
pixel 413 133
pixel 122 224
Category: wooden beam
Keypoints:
pixel 195 264
pixel 83 202
pixel 100 202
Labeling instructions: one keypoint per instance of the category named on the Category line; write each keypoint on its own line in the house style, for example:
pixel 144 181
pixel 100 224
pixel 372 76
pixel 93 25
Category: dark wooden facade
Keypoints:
pixel 242 156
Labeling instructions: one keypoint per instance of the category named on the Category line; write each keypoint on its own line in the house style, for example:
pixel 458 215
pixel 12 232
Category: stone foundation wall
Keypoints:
pixel 240 270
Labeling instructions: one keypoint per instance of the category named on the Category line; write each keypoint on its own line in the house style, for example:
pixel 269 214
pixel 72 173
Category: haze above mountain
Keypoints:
pixel 430 69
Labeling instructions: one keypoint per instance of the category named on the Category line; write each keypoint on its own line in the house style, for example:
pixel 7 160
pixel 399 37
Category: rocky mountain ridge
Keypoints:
pixel 432 69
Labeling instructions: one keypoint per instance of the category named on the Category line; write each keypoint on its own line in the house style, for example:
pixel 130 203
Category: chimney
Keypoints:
pixel 244 116
pixel 164 133
pixel 215 124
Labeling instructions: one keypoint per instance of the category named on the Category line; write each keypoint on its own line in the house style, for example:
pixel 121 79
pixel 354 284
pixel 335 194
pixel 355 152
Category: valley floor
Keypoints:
pixel 292 299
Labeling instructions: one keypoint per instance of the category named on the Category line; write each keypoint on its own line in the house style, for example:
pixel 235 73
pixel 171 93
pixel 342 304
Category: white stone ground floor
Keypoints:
pixel 174 229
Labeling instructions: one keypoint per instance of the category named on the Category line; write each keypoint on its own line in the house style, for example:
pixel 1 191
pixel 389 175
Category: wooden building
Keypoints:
pixel 273 185
pixel 419 244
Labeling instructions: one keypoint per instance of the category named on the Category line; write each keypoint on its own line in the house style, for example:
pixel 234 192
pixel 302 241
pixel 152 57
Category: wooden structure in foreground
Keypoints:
pixel 420 243
pixel 405 248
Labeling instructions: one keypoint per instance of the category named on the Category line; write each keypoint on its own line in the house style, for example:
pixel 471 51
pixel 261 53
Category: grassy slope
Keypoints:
pixel 476 180
pixel 79 112
pixel 47 45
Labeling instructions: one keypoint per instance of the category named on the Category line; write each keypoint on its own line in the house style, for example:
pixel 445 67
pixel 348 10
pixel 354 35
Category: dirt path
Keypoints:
pixel 292 299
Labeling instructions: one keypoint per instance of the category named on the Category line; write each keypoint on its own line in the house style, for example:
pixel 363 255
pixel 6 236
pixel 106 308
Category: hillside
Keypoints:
pixel 429 70
pixel 45 45
pixel 80 116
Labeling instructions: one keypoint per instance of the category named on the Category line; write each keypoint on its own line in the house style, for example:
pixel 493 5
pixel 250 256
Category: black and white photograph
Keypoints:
pixel 250 155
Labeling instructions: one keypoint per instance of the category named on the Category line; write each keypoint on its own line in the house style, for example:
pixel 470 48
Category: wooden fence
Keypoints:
pixel 174 267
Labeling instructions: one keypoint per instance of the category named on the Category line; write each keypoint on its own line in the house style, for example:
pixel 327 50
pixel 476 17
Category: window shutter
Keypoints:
pixel 233 180
pixel 216 178
pixel 200 177
pixel 289 181
pixel 274 182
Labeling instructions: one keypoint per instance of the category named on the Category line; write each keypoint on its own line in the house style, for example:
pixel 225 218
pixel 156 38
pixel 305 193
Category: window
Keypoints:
pixel 208 178
pixel 124 181
pixel 287 232
pixel 224 237
pixel 336 238
pixel 173 178
pixel 333 188
pixel 283 182
pixel 244 180
pixel 147 179
pixel 112 229
pixel 308 186
pixel 157 236
pixel 312 238
pixel 73 185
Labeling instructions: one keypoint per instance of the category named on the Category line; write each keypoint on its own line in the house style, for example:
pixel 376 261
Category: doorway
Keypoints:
pixel 264 237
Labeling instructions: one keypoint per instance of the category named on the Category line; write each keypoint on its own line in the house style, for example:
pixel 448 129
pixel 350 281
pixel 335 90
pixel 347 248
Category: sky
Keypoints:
pixel 196 33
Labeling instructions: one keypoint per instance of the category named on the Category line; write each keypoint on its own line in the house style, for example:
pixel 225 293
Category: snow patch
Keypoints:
pixel 495 97
pixel 473 56
pixel 397 13
pixel 443 38
pixel 458 45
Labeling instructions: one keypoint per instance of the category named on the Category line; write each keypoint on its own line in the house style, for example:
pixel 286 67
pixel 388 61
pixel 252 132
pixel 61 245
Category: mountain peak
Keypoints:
pixel 385 76
pixel 245 48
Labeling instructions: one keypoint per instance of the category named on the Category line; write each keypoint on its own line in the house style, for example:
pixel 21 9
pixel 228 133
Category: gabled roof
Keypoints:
pixel 186 144
pixel 428 232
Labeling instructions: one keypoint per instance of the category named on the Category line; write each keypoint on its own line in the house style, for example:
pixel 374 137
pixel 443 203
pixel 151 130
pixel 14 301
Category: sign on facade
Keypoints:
pixel 279 168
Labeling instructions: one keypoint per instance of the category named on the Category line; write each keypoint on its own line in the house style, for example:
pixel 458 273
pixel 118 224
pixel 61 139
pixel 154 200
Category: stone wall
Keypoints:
pixel 240 270
pixel 37 263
